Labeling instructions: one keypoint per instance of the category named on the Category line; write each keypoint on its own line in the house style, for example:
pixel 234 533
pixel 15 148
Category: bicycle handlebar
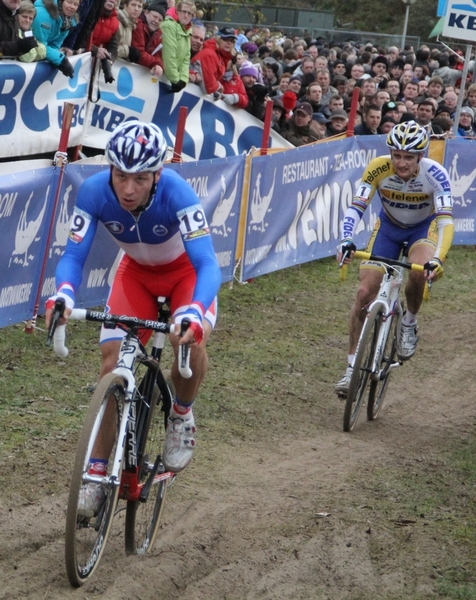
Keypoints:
pixel 57 333
pixel 389 261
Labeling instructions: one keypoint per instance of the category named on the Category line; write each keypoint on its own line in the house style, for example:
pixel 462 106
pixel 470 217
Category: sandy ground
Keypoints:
pixel 284 516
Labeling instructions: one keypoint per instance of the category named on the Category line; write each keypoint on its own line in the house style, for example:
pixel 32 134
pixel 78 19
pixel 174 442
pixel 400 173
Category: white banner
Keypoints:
pixel 32 96
pixel 460 20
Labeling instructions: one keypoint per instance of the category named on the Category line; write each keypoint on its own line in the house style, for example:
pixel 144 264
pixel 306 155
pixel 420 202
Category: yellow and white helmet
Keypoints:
pixel 408 136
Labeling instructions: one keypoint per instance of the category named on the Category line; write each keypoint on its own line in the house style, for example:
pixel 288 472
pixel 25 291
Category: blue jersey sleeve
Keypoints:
pixel 184 206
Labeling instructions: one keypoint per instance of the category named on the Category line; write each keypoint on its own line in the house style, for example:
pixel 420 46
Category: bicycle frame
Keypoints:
pixel 377 345
pixel 388 299
pixel 131 351
pixel 131 399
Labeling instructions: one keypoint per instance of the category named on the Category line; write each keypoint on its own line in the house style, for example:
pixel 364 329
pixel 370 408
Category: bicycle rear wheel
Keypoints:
pixel 86 537
pixel 378 388
pixel 143 515
pixel 362 366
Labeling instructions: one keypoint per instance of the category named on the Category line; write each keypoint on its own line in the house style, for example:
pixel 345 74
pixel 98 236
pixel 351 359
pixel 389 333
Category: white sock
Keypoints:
pixel 409 318
pixel 351 358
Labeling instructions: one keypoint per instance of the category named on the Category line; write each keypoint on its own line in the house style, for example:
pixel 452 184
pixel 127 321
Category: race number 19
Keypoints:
pixel 193 223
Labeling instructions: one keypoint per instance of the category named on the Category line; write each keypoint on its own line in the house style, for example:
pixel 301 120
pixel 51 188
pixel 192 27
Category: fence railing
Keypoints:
pixel 338 36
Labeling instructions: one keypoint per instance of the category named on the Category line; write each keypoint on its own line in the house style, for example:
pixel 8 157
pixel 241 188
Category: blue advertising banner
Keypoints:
pixel 297 201
pixel 25 211
pixel 460 164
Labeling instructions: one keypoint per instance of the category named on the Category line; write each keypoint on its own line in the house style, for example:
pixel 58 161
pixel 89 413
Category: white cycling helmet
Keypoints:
pixel 408 136
pixel 134 147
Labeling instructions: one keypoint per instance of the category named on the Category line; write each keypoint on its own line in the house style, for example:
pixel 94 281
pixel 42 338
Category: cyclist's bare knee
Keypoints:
pixel 368 288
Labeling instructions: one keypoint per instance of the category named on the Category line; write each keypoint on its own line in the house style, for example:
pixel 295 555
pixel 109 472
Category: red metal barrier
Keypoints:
pixel 182 118
pixel 268 115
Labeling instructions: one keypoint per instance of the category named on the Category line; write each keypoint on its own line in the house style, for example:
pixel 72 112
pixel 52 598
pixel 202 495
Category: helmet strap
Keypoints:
pixel 151 195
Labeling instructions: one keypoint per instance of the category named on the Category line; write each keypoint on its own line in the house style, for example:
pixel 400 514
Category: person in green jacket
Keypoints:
pixel 176 32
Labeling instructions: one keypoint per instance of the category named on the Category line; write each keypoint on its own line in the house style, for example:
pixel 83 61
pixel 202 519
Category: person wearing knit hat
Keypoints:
pixel 157 6
pixel 249 70
pixel 386 124
pixel 295 78
pixel 465 125
pixel 443 110
pixel 147 35
pixel 380 59
pixel 291 95
pixel 250 48
pixel 279 115
pixel 391 109
pixel 379 69
pixel 257 92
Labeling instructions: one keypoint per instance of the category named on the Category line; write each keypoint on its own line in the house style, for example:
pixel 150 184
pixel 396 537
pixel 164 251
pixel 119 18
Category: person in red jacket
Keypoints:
pixel 147 38
pixel 234 92
pixel 211 62
pixel 105 38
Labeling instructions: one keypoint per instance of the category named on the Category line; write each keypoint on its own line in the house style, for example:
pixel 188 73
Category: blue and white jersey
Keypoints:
pixel 171 227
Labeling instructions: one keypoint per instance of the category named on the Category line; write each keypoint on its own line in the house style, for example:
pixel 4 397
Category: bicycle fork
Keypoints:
pixel 391 309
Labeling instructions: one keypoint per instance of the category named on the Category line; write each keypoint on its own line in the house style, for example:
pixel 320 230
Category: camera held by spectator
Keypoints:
pixel 106 68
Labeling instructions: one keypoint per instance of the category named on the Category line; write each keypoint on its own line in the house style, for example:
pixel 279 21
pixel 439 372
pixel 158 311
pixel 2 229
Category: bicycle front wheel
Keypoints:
pixel 86 536
pixel 143 515
pixel 362 367
pixel 378 387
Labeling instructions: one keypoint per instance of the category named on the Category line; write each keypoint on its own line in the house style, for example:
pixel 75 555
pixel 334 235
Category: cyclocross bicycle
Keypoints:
pixel 375 356
pixel 137 397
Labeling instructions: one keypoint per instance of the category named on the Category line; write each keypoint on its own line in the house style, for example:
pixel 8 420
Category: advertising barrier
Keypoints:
pixel 287 212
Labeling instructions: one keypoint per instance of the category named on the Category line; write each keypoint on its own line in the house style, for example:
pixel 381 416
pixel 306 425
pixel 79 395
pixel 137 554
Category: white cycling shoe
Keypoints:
pixel 342 386
pixel 407 341
pixel 179 442
pixel 91 499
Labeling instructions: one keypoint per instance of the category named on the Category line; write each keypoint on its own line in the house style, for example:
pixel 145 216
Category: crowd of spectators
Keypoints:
pixel 309 82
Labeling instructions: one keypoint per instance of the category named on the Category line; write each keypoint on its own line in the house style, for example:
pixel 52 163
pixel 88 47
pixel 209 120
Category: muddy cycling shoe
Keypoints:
pixel 343 386
pixel 91 499
pixel 407 341
pixel 179 442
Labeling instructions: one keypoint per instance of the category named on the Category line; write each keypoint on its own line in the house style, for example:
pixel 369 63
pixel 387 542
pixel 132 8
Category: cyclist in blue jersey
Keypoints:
pixel 156 218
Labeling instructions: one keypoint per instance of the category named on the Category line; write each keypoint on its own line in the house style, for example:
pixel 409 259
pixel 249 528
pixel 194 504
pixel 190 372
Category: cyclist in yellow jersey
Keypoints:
pixel 416 208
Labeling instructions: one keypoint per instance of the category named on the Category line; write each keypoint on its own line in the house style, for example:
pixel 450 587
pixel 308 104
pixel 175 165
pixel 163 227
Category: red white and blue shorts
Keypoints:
pixel 136 287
